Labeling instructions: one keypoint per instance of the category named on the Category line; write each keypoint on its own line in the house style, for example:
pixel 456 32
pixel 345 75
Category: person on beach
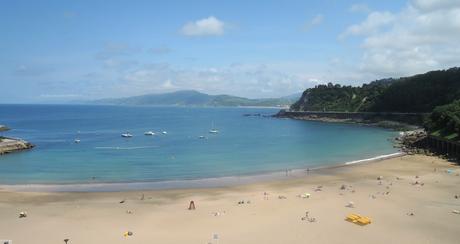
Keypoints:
pixel 191 206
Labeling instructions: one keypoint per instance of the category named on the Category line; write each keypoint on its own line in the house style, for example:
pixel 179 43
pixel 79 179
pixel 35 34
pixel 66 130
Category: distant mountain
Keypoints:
pixel 198 99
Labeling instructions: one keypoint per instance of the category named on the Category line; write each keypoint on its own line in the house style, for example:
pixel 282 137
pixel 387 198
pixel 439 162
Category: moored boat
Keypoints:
pixel 126 135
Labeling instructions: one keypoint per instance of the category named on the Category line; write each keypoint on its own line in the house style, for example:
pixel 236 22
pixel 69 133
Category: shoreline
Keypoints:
pixel 137 105
pixel 386 123
pixel 413 197
pixel 202 183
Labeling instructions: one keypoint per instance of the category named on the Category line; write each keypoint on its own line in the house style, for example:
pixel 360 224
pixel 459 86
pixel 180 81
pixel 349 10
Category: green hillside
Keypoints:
pixel 332 97
pixel 435 92
pixel 444 121
pixel 419 93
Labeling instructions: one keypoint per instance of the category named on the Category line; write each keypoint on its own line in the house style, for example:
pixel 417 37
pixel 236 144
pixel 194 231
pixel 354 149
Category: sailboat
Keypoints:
pixel 213 130
pixel 77 140
pixel 126 135
pixel 149 133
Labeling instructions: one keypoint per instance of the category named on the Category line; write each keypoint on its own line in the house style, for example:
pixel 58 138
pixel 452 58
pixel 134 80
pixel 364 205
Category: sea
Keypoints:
pixel 249 142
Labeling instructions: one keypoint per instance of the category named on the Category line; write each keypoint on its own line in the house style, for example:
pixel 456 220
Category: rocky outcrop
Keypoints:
pixel 413 142
pixel 4 128
pixel 8 145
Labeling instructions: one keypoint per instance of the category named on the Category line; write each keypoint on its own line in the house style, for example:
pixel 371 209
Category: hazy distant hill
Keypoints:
pixel 195 98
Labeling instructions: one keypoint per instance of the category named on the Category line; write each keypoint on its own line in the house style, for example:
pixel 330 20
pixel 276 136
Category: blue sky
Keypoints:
pixel 55 51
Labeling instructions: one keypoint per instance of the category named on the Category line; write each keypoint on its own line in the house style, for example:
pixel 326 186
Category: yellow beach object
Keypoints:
pixel 353 217
pixel 358 219
pixel 364 221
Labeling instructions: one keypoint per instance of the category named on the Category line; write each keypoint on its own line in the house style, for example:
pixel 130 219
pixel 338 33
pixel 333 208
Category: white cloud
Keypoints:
pixel 373 23
pixel 168 85
pixel 432 5
pixel 359 8
pixel 423 36
pixel 210 26
pixel 236 79
pixel 318 19
pixel 315 21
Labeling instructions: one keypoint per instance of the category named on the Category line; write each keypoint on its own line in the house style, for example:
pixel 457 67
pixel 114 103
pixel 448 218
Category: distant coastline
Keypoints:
pixel 197 99
pixel 178 106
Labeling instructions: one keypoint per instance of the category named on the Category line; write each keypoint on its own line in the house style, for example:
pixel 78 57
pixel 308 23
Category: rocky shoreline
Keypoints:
pixel 411 140
pixel 387 124
pixel 8 145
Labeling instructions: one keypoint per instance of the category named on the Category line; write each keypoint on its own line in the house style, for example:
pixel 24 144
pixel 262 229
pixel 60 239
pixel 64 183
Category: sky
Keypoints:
pixel 64 50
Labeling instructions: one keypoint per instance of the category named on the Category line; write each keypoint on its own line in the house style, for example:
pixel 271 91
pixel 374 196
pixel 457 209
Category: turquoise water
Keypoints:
pixel 245 145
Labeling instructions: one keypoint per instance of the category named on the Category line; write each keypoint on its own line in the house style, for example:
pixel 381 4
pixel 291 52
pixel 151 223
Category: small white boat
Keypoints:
pixel 213 130
pixel 202 137
pixel 126 135
pixel 77 140
pixel 164 132
pixel 149 133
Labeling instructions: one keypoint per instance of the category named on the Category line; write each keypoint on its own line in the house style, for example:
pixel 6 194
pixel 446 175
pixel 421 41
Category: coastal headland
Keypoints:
pixel 8 145
pixel 409 199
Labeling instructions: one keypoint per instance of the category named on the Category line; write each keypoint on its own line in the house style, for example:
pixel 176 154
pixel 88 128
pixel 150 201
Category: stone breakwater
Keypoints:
pixel 8 145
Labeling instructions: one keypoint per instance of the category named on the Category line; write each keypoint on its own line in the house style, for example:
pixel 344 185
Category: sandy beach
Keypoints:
pixel 414 202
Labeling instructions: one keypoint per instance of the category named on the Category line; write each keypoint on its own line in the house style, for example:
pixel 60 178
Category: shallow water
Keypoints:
pixel 244 145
